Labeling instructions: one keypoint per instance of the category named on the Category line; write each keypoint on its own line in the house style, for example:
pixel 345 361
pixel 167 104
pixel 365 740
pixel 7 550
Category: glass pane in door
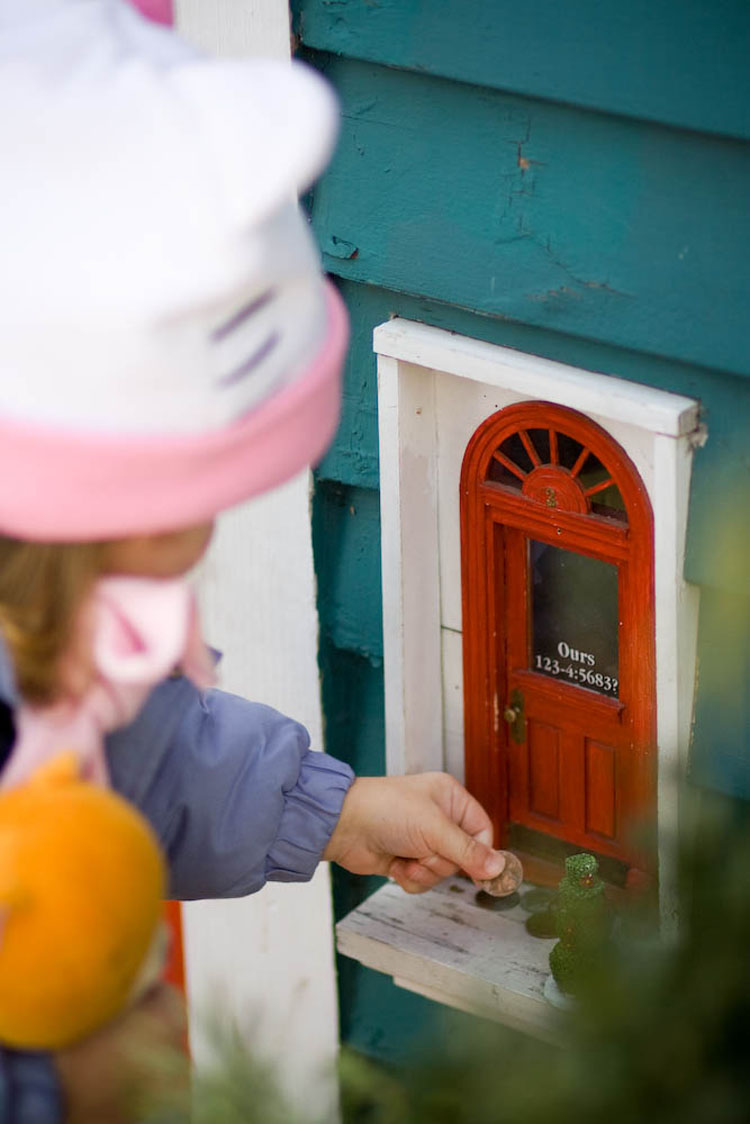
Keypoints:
pixel 574 618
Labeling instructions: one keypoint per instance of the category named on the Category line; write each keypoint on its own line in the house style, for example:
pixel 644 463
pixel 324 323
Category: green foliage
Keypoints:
pixel 241 1089
pixel 238 1088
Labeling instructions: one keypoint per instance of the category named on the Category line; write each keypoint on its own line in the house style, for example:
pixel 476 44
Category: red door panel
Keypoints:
pixel 600 788
pixel 545 765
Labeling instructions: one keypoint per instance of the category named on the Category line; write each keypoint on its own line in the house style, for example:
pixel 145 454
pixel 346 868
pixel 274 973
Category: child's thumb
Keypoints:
pixel 471 853
pixel 484 863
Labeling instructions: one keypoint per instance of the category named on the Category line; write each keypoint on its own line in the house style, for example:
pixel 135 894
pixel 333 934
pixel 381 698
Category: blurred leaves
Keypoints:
pixel 241 1088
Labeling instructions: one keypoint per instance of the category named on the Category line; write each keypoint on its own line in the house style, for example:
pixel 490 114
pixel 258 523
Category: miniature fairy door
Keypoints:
pixel 558 632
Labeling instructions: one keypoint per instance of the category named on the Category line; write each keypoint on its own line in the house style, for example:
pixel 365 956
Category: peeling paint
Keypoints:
pixel 339 248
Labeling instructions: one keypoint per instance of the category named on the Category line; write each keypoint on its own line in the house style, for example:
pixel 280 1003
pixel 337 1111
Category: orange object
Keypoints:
pixel 81 885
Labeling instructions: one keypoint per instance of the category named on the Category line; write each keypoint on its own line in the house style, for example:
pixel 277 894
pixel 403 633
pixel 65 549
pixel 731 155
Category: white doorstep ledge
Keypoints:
pixel 444 946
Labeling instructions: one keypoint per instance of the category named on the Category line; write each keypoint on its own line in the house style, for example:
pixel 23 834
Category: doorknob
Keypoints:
pixel 515 717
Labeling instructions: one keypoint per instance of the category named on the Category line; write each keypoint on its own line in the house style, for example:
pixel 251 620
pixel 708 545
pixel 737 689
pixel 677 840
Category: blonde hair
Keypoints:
pixel 42 587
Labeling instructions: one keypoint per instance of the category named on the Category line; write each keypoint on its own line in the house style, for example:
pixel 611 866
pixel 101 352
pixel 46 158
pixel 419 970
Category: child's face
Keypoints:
pixel 168 555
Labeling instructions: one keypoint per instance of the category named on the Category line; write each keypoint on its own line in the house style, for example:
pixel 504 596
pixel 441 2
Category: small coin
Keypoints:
pixel 508 880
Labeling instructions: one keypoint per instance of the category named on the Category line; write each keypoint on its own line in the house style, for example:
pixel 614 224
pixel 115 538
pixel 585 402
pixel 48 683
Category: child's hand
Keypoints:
pixel 415 829
pixel 116 1074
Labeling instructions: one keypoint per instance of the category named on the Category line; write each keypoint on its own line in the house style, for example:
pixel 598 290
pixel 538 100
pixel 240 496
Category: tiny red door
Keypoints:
pixel 557 548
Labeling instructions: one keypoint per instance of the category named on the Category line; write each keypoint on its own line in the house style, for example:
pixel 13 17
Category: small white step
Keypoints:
pixel 443 945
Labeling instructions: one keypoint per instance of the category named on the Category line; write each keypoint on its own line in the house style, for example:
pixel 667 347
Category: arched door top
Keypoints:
pixel 558 461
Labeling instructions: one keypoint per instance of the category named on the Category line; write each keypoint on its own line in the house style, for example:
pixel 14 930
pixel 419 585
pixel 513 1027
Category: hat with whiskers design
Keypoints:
pixel 168 343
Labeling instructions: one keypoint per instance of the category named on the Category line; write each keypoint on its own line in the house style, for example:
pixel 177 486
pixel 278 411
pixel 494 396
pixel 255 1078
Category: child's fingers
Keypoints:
pixel 461 807
pixel 437 865
pixel 448 840
pixel 413 876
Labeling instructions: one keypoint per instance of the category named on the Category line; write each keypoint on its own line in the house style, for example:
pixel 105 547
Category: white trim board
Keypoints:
pixel 435 389
pixel 236 28
pixel 657 411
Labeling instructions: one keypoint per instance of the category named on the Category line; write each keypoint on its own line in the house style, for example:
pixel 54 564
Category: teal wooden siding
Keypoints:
pixel 680 62
pixel 572 181
pixel 540 213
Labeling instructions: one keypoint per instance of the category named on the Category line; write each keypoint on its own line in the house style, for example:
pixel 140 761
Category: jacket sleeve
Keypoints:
pixel 232 788
pixel 29 1089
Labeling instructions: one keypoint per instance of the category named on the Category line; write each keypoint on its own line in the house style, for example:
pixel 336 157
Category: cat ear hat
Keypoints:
pixel 168 344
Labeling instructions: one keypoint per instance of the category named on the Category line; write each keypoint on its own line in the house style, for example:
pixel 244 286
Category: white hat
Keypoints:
pixel 168 345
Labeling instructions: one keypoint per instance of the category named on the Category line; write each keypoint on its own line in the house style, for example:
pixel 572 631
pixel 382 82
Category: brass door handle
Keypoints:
pixel 515 717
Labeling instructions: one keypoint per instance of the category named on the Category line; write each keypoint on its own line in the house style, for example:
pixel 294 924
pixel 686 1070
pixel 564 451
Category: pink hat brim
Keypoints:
pixel 60 486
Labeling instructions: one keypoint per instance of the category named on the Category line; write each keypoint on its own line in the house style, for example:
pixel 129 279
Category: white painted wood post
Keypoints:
pixel 267 959
pixel 235 27
pixel 411 576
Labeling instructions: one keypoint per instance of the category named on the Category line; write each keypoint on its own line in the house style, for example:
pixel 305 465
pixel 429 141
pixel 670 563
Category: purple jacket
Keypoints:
pixel 237 798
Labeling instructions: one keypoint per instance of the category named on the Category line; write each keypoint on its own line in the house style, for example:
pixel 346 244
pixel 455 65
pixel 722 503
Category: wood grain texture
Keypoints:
pixel 682 62
pixel 530 376
pixel 616 231
pixel 236 28
pixel 443 945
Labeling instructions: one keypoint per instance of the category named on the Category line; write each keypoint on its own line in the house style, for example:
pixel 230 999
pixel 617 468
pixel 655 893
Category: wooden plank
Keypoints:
pixel 530 376
pixel 626 234
pixel 411 577
pixel 443 945
pixel 680 62
pixel 236 28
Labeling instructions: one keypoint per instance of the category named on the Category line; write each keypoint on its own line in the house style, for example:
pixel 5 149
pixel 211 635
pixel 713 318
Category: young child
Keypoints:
pixel 168 348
